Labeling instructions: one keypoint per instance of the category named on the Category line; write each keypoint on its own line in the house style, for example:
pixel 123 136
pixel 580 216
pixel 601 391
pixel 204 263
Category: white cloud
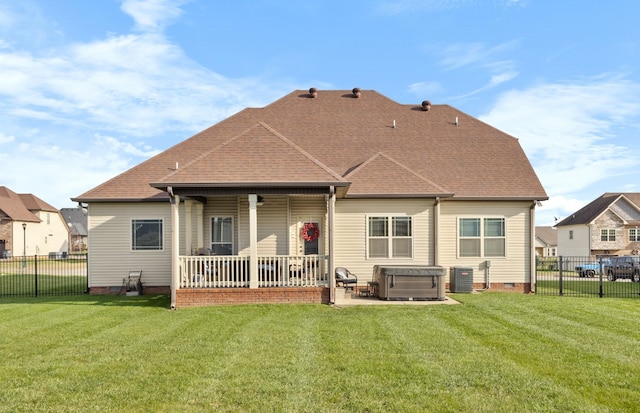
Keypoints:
pixel 6 138
pixel 425 88
pixel 479 58
pixel 576 135
pixel 57 172
pixel 78 114
pixel 558 207
pixel 152 15
pixel 140 85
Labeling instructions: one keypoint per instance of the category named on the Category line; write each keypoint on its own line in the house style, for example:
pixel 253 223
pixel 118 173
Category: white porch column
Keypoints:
pixel 331 269
pixel 175 247
pixel 188 217
pixel 199 225
pixel 253 241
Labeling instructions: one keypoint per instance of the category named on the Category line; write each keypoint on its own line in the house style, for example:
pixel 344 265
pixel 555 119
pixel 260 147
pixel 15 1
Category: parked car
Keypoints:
pixel 624 267
pixel 592 268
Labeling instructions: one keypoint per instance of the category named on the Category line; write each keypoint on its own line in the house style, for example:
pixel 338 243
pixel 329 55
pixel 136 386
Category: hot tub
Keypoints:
pixel 416 282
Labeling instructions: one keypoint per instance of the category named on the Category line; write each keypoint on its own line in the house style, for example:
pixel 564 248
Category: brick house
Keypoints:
pixel 608 225
pixel 30 226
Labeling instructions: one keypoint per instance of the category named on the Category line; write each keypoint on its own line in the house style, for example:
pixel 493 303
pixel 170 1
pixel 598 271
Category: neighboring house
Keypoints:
pixel 76 219
pixel 278 197
pixel 546 242
pixel 30 226
pixel 608 225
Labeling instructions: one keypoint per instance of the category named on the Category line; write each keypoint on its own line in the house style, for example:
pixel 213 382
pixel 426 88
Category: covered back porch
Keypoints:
pixel 262 246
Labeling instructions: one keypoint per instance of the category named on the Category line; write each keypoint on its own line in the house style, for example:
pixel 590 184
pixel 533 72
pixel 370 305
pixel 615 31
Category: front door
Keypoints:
pixel 309 237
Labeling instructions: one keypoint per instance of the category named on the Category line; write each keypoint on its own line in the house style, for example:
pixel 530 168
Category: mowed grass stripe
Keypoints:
pixel 493 353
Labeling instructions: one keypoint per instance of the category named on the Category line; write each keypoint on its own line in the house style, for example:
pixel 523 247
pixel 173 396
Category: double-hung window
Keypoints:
pixel 146 234
pixel 607 235
pixel 222 235
pixel 390 237
pixel 482 237
pixel 634 235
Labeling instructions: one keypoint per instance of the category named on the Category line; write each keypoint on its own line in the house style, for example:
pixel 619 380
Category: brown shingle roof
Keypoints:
pixel 326 139
pixel 258 154
pixel 593 209
pixel 381 175
pixel 549 235
pixel 19 207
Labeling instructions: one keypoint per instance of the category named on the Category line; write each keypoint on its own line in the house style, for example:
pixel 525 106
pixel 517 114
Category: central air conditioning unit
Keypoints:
pixel 461 279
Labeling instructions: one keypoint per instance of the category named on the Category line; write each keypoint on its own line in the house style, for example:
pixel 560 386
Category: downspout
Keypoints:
pixel 532 255
pixel 436 231
pixel 590 239
pixel 188 218
pixel 331 208
pixel 487 275
pixel 175 245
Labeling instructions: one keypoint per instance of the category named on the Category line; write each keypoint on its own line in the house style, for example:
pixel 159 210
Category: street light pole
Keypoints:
pixel 24 249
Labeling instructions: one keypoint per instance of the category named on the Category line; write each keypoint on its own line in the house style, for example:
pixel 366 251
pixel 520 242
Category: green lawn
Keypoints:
pixel 493 353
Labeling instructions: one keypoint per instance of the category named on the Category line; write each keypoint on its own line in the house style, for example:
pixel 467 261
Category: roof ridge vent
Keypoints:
pixel 356 92
pixel 426 105
pixel 313 92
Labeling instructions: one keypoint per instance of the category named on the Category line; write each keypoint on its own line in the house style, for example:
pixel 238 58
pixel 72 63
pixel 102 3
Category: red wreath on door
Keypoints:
pixel 310 231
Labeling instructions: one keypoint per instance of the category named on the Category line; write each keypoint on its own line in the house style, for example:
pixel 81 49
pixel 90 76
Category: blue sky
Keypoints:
pixel 89 89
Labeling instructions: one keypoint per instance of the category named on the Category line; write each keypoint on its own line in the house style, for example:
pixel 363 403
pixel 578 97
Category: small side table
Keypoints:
pixel 372 288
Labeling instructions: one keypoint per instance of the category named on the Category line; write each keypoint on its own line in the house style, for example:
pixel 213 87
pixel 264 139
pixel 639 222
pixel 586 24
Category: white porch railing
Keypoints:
pixel 219 271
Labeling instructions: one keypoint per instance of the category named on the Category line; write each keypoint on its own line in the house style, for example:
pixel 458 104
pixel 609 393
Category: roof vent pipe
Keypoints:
pixel 356 92
pixel 313 92
pixel 426 105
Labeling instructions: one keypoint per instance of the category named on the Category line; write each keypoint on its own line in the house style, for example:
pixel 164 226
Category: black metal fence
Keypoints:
pixel 581 277
pixel 33 276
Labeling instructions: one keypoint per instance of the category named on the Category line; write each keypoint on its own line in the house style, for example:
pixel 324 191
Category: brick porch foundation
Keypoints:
pixel 197 297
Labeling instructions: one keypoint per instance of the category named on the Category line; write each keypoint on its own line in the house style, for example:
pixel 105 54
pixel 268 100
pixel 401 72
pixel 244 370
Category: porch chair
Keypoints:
pixel 346 277
pixel 202 271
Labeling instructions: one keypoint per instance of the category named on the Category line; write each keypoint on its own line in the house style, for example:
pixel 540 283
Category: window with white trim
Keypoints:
pixel 222 235
pixel 634 235
pixel 481 237
pixel 390 237
pixel 607 235
pixel 146 234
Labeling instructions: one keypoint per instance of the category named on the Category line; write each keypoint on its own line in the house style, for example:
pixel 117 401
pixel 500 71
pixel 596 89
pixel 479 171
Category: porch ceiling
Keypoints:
pixel 203 191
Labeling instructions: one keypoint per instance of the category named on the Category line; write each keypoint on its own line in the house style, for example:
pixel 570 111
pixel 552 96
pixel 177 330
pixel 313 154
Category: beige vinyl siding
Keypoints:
pixel 351 232
pixel 272 225
pixel 110 254
pixel 515 267
pixel 49 235
pixel 579 245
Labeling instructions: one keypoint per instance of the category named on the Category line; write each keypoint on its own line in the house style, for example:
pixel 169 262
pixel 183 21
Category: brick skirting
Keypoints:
pixel 197 297
pixel 502 287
